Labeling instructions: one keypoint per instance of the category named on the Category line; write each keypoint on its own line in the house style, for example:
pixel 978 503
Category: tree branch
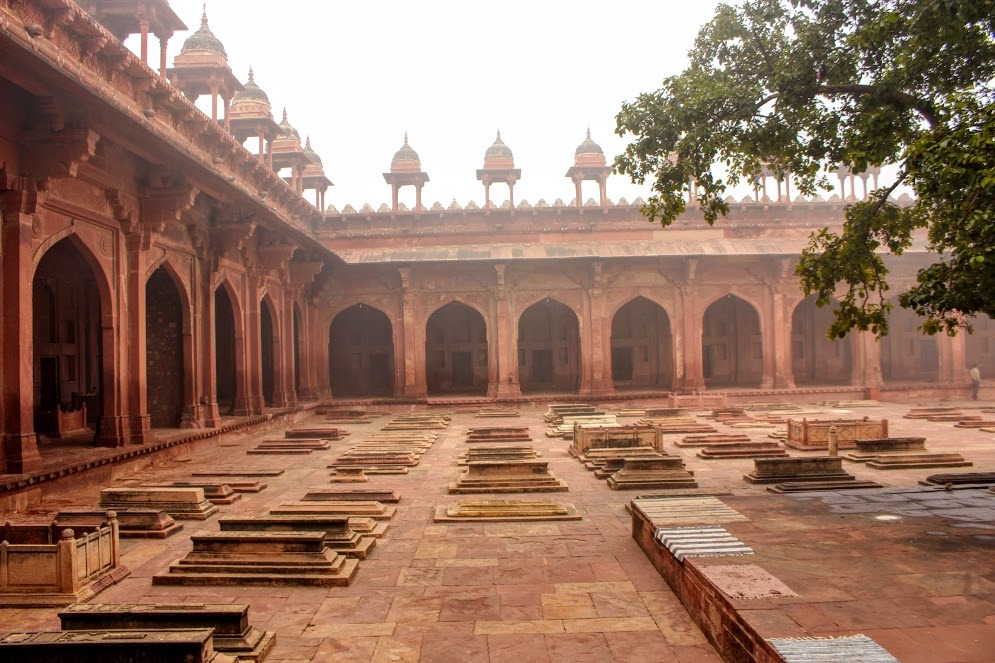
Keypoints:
pixel 922 106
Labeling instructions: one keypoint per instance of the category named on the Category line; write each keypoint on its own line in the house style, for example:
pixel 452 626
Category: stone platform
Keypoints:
pixel 652 474
pixel 780 470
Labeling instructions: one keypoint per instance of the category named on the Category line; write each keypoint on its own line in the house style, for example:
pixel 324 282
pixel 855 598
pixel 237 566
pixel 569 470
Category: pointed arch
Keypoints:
pixel 229 350
pixel 907 354
pixel 549 347
pixel 732 343
pixel 269 325
pixel 814 358
pixel 641 345
pixel 167 348
pixel 456 354
pixel 361 352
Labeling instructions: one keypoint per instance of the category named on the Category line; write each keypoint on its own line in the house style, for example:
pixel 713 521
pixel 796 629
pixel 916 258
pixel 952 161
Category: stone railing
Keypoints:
pixel 49 565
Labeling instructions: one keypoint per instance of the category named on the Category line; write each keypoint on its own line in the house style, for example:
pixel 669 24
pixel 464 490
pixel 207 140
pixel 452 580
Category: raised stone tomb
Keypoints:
pixel 180 503
pixel 910 461
pixel 556 411
pixel 351 508
pixel 499 434
pixel 708 440
pixel 49 564
pixel 349 475
pixel 732 450
pixel 504 511
pixel 232 632
pixel 961 479
pixel 260 558
pixel 495 412
pixel 164 646
pixel 239 486
pixel 530 476
pixel 813 435
pixel 652 473
pixel 339 536
pixel 585 438
pixel 323 433
pixel 215 493
pixel 780 470
pixel 315 443
pixel 870 448
pixel 385 495
pixel 132 523
pixel 926 412
pixel 667 428
pixel 519 452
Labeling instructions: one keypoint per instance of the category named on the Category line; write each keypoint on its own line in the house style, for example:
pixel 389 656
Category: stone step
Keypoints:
pixel 738 450
pixel 706 440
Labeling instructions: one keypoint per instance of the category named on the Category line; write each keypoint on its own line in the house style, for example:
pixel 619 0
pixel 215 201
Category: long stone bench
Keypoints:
pixel 260 558
pixel 232 632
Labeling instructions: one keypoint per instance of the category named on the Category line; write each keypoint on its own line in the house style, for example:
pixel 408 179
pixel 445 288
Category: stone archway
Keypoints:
pixel 164 360
pixel 69 360
pixel 641 346
pixel 361 353
pixel 456 350
pixel 908 355
pixel 549 347
pixel 227 342
pixel 731 344
pixel 267 351
pixel 814 358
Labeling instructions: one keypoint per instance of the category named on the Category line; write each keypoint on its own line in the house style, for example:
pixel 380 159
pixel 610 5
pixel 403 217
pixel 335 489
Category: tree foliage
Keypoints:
pixel 795 85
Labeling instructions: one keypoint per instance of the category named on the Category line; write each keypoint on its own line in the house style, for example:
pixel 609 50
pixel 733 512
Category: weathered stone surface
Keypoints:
pixel 926 412
pixel 742 450
pixel 651 474
pixel 321 433
pixel 707 440
pixel 369 509
pixel 386 496
pixel 499 434
pixel 813 435
pixel 504 511
pixel 585 438
pixel 260 558
pixel 906 461
pixel 232 632
pixel 339 536
pixel 187 645
pixel 961 478
pixel 508 477
pixel 814 486
pixel 215 493
pixel 501 453
pixel 349 475
pixel 132 523
pixel 238 473
pixel 180 503
pixel 781 470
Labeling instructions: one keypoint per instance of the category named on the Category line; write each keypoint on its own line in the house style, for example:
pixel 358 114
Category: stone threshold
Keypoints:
pixel 11 484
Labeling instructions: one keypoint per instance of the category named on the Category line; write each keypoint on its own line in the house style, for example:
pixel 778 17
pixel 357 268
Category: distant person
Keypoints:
pixel 975 381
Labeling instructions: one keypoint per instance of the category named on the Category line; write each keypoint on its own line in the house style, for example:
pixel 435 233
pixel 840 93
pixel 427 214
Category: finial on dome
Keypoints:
pixel 589 132
pixel 307 143
pixel 251 79
pixel 284 113
pixel 203 17
pixel 406 138
pixel 498 139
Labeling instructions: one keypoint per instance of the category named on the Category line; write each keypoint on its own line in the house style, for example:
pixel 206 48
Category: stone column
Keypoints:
pixel 953 360
pixel 254 401
pixel 20 444
pixel 601 382
pixel 211 417
pixel 507 355
pixel 195 352
pixel 587 348
pixel 137 244
pixel 688 336
pixel 780 332
pixel 867 364
pixel 281 396
pixel 414 379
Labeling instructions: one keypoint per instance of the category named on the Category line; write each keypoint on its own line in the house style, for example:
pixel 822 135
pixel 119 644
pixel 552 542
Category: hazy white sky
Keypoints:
pixel 356 75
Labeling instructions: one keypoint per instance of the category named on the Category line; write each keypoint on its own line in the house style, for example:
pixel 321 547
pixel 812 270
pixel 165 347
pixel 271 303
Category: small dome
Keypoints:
pixel 588 146
pixel 498 150
pixel 204 40
pixel 288 129
pixel 310 153
pixel 251 92
pixel 406 153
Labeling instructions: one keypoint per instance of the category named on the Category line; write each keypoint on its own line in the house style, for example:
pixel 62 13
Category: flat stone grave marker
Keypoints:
pixel 387 496
pixel 504 511
pixel 369 509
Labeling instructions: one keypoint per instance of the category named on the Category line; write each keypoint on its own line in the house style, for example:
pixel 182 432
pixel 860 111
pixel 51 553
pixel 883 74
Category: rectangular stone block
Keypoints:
pixel 507 477
pixel 353 495
pixel 232 632
pixel 780 470
pixel 180 503
pixel 187 645
pixel 339 536
pixel 504 511
pixel 369 509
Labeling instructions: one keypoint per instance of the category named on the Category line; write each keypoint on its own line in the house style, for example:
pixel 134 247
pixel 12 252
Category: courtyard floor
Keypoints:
pixel 910 569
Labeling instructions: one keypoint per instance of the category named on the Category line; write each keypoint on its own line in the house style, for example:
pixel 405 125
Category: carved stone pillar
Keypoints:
pixel 687 342
pixel 137 244
pixel 20 444
pixel 600 352
pixel 204 335
pixel 507 385
pixel 414 380
pixel 780 333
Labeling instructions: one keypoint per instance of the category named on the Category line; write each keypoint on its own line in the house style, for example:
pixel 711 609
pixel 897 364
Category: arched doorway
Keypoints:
pixel 908 355
pixel 68 341
pixel 267 317
pixel 164 367
pixel 814 358
pixel 549 347
pixel 456 350
pixel 361 353
pixel 981 346
pixel 641 346
pixel 224 352
pixel 731 344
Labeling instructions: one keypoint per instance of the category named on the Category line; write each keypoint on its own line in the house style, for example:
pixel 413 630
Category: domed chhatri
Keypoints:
pixel 498 152
pixel 251 93
pixel 288 129
pixel 310 153
pixel 588 147
pixel 406 155
pixel 204 40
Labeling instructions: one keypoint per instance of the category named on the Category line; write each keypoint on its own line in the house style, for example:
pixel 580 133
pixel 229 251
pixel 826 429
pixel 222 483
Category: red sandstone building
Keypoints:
pixel 157 274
